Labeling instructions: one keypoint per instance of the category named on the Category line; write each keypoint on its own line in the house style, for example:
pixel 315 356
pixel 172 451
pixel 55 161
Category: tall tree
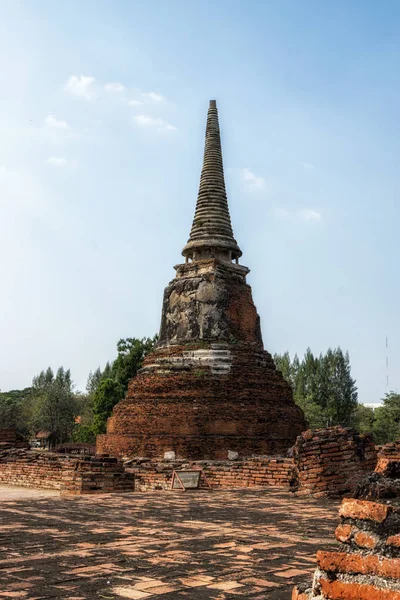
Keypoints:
pixel 131 353
pixel 54 404
pixel 111 385
pixel 386 426
pixel 107 395
pixel 15 410
pixel 322 386
pixel 365 418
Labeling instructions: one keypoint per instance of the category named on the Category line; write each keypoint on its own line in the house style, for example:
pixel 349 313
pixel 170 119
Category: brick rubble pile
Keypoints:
pixel 366 565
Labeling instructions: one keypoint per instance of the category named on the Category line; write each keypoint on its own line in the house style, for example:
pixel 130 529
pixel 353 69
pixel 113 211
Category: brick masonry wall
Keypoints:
pixel 326 462
pixel 391 450
pixel 83 475
pixel 254 472
pixel 10 438
pixel 366 565
pixel 331 461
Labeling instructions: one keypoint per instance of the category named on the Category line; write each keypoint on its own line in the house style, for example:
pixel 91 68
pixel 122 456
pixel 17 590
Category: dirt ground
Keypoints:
pixel 202 545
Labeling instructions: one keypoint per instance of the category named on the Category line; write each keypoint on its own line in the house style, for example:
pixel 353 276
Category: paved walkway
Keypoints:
pixel 168 545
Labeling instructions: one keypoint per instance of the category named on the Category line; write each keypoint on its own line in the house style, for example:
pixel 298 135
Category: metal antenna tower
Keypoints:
pixel 387 363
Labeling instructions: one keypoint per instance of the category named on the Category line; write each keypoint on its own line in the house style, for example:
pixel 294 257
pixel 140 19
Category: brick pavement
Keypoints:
pixel 203 545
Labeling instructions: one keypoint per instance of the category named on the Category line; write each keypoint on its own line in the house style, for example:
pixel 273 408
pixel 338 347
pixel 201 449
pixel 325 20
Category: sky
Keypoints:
pixel 102 116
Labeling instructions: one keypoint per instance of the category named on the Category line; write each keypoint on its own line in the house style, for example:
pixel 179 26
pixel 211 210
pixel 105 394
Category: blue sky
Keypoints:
pixel 102 116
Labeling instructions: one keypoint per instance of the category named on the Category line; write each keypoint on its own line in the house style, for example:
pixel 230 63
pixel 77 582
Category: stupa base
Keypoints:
pixel 190 447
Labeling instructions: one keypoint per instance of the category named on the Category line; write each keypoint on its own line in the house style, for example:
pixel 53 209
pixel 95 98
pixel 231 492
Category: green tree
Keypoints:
pixel 322 386
pixel 94 379
pixel 131 353
pixel 387 419
pixel 15 410
pixel 54 404
pixel 314 414
pixel 107 395
pixel 364 418
pixel 109 387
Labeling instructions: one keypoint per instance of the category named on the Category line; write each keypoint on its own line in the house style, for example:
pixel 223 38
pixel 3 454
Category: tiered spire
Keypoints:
pixel 211 233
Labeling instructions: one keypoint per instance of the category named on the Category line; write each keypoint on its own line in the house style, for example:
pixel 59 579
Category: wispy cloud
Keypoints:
pixel 153 96
pixel 309 214
pixel 308 166
pixel 253 181
pixel 135 102
pixel 145 98
pixel 60 162
pixel 114 87
pixel 82 86
pixel 153 122
pixel 53 123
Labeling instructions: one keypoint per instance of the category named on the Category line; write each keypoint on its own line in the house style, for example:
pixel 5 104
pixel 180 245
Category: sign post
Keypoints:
pixel 188 480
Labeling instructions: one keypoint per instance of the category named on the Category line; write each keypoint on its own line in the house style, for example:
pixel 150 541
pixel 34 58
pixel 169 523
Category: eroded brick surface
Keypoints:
pixel 212 545
pixel 364 509
pixel 69 474
pixel 332 461
pixel 252 472
pixel 367 565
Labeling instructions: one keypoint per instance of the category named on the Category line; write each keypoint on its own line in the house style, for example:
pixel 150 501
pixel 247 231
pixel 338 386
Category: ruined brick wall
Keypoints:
pixel 11 438
pixel 262 471
pixel 367 564
pixel 390 450
pixel 68 474
pixel 331 461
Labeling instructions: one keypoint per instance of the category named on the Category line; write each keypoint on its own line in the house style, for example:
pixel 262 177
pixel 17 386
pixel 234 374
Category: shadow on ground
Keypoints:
pixel 196 545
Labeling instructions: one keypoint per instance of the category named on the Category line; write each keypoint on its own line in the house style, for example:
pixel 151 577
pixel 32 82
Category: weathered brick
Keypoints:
pixel 69 474
pixel 366 540
pixel 341 590
pixel 393 540
pixel 359 564
pixel 363 509
pixel 343 532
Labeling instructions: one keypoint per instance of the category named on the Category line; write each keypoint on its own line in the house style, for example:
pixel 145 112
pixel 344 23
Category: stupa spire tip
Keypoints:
pixel 211 234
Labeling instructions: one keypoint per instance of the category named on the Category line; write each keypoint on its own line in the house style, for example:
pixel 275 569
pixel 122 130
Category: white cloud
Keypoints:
pixel 114 87
pixel 308 166
pixel 153 96
pixel 81 86
pixel 135 102
pixel 309 214
pixel 254 182
pixel 146 98
pixel 53 123
pixel 60 162
pixel 153 122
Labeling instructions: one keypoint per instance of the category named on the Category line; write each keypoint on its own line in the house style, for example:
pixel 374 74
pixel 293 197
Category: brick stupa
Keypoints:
pixel 209 386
